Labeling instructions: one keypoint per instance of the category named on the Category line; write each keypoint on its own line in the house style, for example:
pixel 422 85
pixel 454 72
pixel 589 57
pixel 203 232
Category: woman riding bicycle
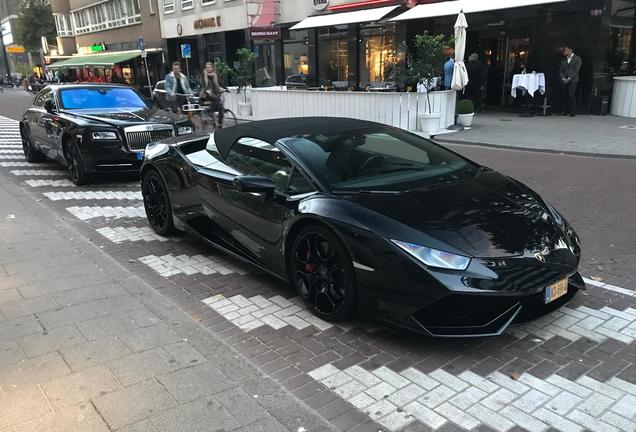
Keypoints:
pixel 211 93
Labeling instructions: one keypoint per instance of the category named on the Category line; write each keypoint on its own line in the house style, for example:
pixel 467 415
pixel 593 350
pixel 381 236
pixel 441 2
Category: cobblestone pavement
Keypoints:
pixel 572 370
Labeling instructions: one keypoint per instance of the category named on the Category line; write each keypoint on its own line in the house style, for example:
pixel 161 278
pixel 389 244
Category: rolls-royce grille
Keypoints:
pixel 137 140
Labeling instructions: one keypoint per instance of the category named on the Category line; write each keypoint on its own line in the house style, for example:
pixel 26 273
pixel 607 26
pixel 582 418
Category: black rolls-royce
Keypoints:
pixel 95 128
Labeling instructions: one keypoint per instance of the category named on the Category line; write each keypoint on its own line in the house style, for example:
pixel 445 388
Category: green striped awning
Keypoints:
pixel 94 60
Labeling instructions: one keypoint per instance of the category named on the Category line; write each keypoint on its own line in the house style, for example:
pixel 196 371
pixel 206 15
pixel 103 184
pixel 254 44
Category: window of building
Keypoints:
pixel 207 2
pixel 333 54
pixel 296 55
pixel 106 15
pixel 377 46
pixel 168 6
pixel 63 25
pixel 187 4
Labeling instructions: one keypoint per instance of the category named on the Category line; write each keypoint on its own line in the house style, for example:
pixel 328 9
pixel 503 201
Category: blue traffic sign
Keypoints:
pixel 186 51
pixel 142 44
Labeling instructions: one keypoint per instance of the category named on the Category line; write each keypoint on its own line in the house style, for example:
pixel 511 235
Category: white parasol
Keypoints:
pixel 460 75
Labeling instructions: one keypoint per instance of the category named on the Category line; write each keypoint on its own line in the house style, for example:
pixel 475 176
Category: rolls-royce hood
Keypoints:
pixel 489 215
pixel 125 117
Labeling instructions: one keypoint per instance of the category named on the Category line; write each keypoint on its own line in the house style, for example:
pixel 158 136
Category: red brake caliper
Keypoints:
pixel 309 267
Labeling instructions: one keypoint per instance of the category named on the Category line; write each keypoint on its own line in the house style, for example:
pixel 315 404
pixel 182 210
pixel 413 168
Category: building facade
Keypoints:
pixel 12 55
pixel 88 30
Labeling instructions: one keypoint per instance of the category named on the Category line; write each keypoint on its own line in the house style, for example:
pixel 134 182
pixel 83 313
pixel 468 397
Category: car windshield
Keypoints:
pixel 100 97
pixel 382 159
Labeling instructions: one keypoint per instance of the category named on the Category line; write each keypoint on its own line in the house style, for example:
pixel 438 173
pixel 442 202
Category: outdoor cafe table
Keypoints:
pixel 529 82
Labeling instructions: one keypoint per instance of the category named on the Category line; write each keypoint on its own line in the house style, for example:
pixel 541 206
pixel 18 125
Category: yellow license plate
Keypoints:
pixel 556 290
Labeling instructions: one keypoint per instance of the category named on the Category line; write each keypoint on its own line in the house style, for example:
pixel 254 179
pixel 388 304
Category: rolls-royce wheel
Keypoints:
pixel 322 273
pixel 30 153
pixel 157 203
pixel 75 165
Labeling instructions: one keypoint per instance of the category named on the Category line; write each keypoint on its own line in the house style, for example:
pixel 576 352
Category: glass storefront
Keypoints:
pixel 333 55
pixel 377 47
pixel 296 54
pixel 265 65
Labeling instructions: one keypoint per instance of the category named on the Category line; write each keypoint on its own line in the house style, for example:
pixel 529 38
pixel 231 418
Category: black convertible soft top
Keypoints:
pixel 271 131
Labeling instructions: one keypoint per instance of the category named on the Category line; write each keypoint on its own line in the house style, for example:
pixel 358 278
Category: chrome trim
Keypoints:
pixel 362 266
pixel 137 137
pixel 114 165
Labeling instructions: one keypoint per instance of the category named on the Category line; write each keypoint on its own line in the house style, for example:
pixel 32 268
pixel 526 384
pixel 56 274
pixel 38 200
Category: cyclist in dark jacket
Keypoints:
pixel 211 92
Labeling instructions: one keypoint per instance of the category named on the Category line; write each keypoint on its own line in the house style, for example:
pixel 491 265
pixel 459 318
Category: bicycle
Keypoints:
pixel 194 107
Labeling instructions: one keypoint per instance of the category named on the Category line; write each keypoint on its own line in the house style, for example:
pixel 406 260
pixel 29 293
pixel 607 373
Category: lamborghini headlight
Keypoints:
pixel 434 257
pixel 184 130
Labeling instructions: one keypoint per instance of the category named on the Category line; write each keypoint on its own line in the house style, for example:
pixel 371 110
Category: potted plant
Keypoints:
pixel 426 63
pixel 465 112
pixel 244 78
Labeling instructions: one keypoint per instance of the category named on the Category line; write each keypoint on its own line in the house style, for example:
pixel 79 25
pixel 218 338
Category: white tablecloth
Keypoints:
pixel 530 82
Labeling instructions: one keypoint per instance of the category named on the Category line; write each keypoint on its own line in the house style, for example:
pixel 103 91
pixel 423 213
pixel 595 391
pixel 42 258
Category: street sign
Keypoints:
pixel 142 45
pixel 186 51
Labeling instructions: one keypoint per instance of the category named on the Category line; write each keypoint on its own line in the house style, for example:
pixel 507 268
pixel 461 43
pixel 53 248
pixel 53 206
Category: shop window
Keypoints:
pixel 333 54
pixel 187 4
pixel 296 55
pixel 377 46
pixel 168 6
pixel 621 34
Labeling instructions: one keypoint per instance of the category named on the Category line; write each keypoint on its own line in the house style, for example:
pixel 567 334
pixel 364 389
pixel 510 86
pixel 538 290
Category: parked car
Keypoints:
pixel 159 93
pixel 93 128
pixel 363 218
pixel 307 82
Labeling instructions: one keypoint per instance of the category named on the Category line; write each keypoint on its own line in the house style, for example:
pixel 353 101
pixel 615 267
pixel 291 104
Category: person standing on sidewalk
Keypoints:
pixel 569 74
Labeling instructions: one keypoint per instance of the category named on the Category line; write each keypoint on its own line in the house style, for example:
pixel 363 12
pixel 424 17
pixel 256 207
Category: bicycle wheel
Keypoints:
pixel 229 119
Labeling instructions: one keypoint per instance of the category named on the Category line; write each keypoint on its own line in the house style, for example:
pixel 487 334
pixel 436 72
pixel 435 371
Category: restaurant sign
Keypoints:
pixel 264 33
pixel 207 22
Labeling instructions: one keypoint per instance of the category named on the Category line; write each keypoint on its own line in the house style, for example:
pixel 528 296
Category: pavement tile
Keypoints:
pixel 28 307
pixel 149 337
pixel 80 386
pixel 111 305
pixel 88 293
pixel 240 405
pixel 187 385
pixel 139 367
pixel 133 404
pixel 94 352
pixel 11 329
pixel 53 340
pixel 117 324
pixel 64 316
pixel 22 405
pixel 268 424
pixel 82 418
pixel 10 352
pixel 32 371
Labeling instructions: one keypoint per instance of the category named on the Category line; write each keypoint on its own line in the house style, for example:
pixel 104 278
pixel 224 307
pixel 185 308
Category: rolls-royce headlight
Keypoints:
pixel 434 257
pixel 104 135
pixel 184 130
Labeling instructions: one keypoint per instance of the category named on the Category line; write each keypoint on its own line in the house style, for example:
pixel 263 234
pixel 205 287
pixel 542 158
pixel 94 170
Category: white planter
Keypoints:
pixel 429 122
pixel 244 109
pixel 465 120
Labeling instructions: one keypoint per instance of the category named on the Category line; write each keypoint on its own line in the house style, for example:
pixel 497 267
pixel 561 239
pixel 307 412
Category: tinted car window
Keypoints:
pixel 251 156
pixel 161 85
pixel 100 97
pixel 378 159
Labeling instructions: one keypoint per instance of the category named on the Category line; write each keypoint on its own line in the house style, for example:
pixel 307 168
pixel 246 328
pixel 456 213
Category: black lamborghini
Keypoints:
pixel 362 218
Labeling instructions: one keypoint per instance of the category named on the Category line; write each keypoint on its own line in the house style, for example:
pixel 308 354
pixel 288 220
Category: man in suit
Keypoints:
pixel 569 74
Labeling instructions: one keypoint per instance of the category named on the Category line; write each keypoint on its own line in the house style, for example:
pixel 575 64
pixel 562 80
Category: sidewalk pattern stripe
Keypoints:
pixel 94 195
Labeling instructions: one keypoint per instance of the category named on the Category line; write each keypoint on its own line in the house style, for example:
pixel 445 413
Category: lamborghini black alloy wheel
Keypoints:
pixel 322 274
pixel 157 203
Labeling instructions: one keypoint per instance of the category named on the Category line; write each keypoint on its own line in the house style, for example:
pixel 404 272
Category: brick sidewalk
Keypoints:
pixel 86 346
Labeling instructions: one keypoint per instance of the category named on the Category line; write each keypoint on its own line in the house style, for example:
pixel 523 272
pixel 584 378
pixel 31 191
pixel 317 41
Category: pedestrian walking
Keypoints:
pixel 569 74
pixel 177 85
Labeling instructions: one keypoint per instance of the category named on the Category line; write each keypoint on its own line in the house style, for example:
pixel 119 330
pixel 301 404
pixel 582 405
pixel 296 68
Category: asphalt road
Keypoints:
pixel 572 370
pixel 597 195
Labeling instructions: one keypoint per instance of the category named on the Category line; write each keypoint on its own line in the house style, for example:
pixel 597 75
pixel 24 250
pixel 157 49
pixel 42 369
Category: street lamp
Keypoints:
pixel 4 51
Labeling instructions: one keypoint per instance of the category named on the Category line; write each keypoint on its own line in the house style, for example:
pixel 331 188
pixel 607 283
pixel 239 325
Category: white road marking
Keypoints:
pixel 94 195
pixel 397 399
pixel 85 213
pixel 169 265
pixel 609 287
pixel 11 151
pixel 43 172
pixel 13 157
pixel 52 183
pixel 133 234
pixel 10 146
pixel 24 164
pixel 275 312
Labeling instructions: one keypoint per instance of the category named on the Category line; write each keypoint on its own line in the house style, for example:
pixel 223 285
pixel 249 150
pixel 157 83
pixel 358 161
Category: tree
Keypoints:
pixel 35 19
pixel 245 70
